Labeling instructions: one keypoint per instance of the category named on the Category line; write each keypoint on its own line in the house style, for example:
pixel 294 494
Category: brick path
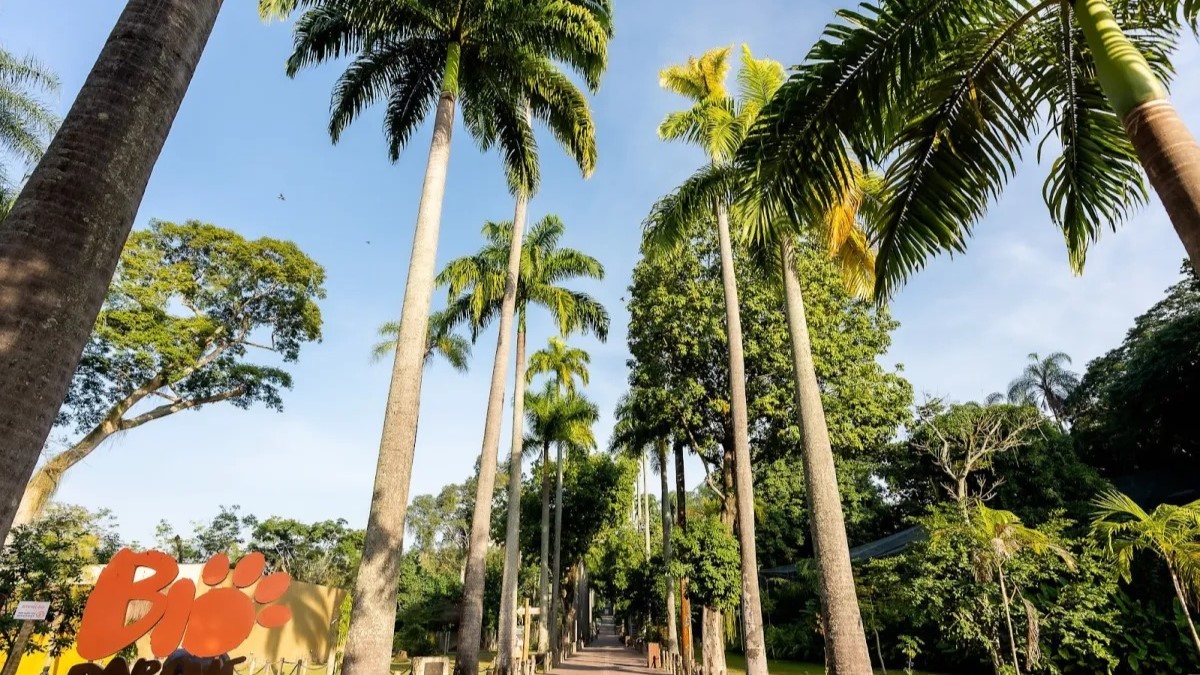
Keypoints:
pixel 606 656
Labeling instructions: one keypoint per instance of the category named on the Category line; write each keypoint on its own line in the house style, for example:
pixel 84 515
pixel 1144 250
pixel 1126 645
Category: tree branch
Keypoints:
pixel 164 410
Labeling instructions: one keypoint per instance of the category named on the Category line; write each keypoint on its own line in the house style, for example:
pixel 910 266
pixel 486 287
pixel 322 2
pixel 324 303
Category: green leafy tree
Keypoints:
pixel 62 238
pixel 707 554
pixel 1170 532
pixel 25 121
pixel 187 306
pixel 46 560
pixel 953 95
pixel 1045 382
pixel 503 61
pixel 326 552
pixel 228 532
pixel 1134 409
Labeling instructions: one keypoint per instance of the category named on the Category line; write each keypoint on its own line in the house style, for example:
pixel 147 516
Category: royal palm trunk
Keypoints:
pixel 60 243
pixel 512 534
pixel 373 610
pixel 756 655
pixel 1164 145
pixel 470 628
pixel 544 567
pixel 672 632
pixel 686 648
pixel 845 641
pixel 556 571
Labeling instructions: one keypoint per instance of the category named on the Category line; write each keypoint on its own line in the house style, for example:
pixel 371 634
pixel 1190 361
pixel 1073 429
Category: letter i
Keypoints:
pixel 166 635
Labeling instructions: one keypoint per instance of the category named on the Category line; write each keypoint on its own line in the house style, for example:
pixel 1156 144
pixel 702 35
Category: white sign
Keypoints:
pixel 31 610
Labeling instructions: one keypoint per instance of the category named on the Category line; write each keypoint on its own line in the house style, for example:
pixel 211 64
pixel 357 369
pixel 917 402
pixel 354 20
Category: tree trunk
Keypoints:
pixel 1166 149
pixel 512 534
pixel 1012 636
pixel 712 641
pixel 1186 613
pixel 373 610
pixel 845 640
pixel 470 628
pixel 672 632
pixel 60 243
pixel 756 655
pixel 556 571
pixel 686 649
pixel 45 480
pixel 646 499
pixel 544 569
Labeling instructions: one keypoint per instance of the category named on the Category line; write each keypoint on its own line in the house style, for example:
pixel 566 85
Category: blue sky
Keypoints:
pixel 246 133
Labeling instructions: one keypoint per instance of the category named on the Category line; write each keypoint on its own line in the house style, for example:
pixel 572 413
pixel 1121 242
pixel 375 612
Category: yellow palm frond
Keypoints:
pixel 758 80
pixel 701 78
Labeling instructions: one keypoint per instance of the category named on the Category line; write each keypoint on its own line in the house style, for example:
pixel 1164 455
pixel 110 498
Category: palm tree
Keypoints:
pixel 640 428
pixel 477 286
pixel 60 243
pixel 565 421
pixel 1172 532
pixel 25 121
pixel 502 60
pixel 996 538
pixel 715 123
pixel 440 340
pixel 563 362
pixel 1045 382
pixel 954 93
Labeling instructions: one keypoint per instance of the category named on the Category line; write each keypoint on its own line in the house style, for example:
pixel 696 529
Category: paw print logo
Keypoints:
pixel 222 618
pixel 212 624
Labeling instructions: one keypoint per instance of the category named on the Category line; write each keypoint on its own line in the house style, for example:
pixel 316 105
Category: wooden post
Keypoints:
pixel 18 649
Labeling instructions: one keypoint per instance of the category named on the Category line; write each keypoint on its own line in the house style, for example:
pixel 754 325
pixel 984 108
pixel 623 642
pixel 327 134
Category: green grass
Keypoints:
pixel 736 663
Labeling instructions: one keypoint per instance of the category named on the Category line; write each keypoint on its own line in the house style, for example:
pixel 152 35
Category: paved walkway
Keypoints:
pixel 606 656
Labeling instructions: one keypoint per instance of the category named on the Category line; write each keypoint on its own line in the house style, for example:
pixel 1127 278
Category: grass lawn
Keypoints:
pixel 736 663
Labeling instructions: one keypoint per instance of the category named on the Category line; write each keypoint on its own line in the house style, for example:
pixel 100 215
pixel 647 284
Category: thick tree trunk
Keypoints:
pixel 1165 147
pixel 712 641
pixel 672 631
pixel 373 610
pixel 1187 614
pixel 1012 636
pixel 686 649
pixel 845 640
pixel 544 568
pixel 756 654
pixel 556 571
pixel 470 627
pixel 646 498
pixel 60 243
pixel 512 534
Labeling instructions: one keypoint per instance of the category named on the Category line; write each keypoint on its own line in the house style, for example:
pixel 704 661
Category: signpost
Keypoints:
pixel 28 611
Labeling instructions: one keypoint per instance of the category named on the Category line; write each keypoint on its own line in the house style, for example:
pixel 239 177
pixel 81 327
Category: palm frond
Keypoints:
pixel 673 218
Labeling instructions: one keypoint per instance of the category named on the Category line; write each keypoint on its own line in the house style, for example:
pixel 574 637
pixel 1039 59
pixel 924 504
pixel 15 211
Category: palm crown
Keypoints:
pixel 564 362
pixel 557 418
pixel 476 283
pixel 499 58
pixel 1172 532
pixel 440 339
pixel 953 94
pixel 1045 381
pixel 719 124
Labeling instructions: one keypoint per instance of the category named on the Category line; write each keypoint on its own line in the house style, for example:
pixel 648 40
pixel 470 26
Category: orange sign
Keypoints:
pixel 209 625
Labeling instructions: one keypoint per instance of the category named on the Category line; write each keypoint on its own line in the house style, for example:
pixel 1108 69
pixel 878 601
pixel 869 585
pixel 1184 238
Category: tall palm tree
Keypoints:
pixel 502 59
pixel 1045 382
pixel 640 428
pixel 997 537
pixel 26 123
pixel 477 287
pixel 60 243
pixel 440 340
pixel 1170 532
pixel 714 123
pixel 564 421
pixel 955 93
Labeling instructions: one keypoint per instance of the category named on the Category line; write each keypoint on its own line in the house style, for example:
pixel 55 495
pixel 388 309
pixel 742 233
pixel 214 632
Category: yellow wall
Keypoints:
pixel 33 663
